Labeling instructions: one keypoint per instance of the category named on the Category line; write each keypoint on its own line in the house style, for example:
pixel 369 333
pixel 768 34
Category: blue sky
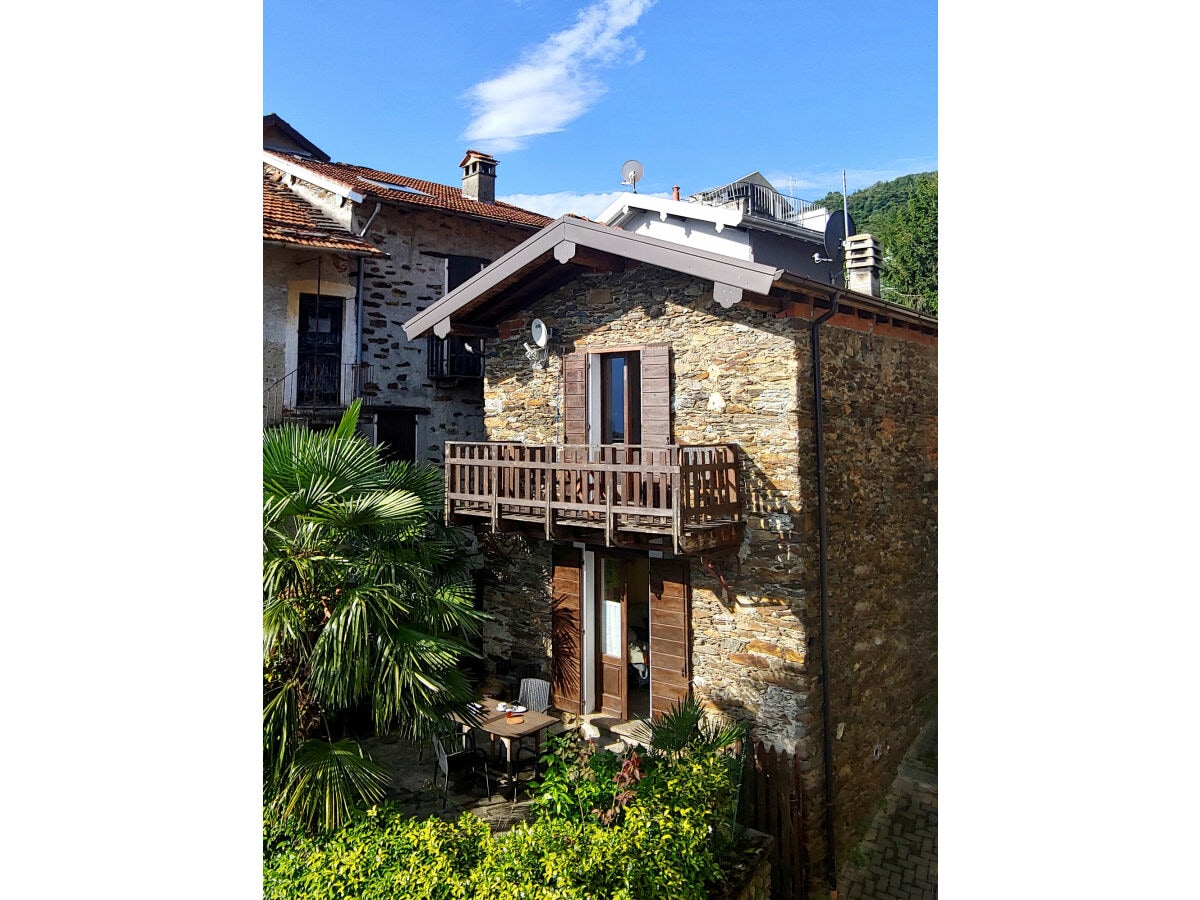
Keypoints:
pixel 564 92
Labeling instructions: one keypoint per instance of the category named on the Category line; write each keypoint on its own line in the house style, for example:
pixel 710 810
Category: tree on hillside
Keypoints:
pixel 909 235
pixel 366 609
pixel 902 215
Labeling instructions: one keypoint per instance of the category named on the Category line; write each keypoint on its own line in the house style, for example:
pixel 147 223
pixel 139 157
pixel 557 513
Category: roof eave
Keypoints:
pixel 731 277
pixel 293 167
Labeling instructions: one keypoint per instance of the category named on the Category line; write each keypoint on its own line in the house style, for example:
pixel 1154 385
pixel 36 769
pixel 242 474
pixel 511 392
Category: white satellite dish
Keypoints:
pixel 540 333
pixel 631 173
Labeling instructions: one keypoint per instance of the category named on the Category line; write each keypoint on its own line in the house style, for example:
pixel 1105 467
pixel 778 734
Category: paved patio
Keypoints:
pixel 413 786
pixel 899 850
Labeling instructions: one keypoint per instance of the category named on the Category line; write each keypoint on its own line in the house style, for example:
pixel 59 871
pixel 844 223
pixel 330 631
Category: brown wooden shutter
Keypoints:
pixel 566 624
pixel 575 398
pixel 656 395
pixel 670 634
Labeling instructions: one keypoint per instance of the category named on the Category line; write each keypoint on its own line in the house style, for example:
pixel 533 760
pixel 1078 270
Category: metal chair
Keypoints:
pixel 458 760
pixel 535 697
pixel 534 694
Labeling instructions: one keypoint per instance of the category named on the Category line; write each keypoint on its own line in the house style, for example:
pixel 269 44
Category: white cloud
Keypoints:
pixel 562 202
pixel 556 82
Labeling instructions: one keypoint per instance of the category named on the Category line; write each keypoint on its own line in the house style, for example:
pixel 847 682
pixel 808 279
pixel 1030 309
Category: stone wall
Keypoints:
pixel 745 376
pixel 881 478
pixel 411 278
pixel 396 288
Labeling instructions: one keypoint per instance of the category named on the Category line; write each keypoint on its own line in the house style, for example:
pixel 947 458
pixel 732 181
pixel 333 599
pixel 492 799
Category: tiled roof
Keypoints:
pixel 423 193
pixel 291 219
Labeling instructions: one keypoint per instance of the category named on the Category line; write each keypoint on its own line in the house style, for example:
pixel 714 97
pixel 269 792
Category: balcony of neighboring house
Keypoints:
pixel 318 392
pixel 678 498
pixel 758 201
pixel 454 358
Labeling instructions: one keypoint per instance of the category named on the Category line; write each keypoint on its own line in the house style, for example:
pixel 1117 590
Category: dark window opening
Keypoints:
pixel 319 351
pixel 396 433
pixel 456 357
pixel 620 398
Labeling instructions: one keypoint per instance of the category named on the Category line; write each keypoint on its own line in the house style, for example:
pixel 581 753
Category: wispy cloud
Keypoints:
pixel 562 202
pixel 555 82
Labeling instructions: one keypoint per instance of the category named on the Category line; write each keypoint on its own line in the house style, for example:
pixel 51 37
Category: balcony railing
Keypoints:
pixel 455 357
pixel 756 200
pixel 318 386
pixel 682 498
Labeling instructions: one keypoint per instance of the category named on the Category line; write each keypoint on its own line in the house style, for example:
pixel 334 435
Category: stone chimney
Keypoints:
pixel 864 256
pixel 479 177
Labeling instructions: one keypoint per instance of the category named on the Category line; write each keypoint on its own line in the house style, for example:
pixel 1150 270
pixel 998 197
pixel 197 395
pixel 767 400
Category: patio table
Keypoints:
pixel 497 724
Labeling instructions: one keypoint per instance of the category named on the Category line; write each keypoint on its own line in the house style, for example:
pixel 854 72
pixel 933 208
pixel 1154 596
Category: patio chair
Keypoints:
pixel 454 756
pixel 534 696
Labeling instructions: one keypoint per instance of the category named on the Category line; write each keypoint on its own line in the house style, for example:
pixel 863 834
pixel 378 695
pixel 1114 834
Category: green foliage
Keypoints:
pixel 667 841
pixel 909 235
pixel 684 727
pixel 579 781
pixel 902 215
pixel 381 854
pixel 366 609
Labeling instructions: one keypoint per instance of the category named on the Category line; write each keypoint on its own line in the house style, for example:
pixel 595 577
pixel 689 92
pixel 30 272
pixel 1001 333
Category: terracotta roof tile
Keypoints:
pixel 290 219
pixel 416 192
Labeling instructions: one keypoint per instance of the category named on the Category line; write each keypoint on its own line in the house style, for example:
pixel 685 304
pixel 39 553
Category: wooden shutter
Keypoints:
pixel 656 395
pixel 575 398
pixel 670 634
pixel 566 625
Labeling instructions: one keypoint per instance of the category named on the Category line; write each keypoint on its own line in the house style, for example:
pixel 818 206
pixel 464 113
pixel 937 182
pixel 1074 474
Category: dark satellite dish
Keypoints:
pixel 836 232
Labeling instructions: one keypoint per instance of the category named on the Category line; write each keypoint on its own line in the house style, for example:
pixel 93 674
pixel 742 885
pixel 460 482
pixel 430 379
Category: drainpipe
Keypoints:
pixel 823 564
pixel 358 296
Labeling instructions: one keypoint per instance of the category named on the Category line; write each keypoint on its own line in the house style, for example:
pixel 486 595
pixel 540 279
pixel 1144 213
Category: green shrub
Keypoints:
pixel 642 827
pixel 382 855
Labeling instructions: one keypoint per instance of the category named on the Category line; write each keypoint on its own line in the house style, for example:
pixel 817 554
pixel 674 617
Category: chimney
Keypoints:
pixel 864 256
pixel 479 177
pixel 675 192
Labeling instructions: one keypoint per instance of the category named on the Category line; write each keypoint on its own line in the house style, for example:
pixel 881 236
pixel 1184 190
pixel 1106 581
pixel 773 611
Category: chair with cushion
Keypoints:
pixel 454 756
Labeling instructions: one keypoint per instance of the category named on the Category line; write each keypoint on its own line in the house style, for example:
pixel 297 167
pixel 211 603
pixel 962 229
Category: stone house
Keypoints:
pixel 667 511
pixel 349 253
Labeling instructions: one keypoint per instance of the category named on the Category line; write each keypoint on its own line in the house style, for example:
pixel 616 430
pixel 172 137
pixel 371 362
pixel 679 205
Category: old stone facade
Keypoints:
pixel 744 376
pixel 418 242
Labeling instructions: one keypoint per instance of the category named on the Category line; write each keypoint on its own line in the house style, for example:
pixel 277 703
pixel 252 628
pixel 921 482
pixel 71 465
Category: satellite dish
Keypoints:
pixel 836 230
pixel 540 333
pixel 631 173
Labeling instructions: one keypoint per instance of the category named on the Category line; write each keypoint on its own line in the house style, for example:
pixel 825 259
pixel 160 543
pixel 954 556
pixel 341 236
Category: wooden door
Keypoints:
pixel 670 636
pixel 566 665
pixel 612 602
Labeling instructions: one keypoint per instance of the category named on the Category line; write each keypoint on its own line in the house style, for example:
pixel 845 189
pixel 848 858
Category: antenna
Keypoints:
pixel 631 173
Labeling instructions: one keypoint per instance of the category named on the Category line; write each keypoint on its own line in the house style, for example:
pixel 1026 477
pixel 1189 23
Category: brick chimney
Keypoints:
pixel 479 177
pixel 864 256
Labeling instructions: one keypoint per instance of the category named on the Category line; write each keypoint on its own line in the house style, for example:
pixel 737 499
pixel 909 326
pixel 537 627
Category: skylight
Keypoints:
pixel 397 187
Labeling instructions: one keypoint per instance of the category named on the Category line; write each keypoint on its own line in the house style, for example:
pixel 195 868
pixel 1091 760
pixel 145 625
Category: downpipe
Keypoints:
pixel 823 568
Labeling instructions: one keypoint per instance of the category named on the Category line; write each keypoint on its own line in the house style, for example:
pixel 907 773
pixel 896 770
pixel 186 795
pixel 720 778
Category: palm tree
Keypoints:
pixel 367 606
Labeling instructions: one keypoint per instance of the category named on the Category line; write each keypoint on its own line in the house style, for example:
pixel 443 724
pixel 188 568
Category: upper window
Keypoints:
pixel 620 398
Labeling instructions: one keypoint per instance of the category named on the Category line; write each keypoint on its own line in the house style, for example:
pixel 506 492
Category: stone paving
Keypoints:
pixel 414 789
pixel 898 853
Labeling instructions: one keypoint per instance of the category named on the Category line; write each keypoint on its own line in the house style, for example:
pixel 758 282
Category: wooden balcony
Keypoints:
pixel 678 498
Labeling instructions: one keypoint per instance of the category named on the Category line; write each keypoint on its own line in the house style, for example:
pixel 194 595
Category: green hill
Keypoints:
pixel 902 215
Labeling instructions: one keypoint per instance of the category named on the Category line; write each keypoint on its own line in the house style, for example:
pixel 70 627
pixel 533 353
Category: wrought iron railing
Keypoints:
pixel 756 200
pixel 455 357
pixel 685 497
pixel 318 386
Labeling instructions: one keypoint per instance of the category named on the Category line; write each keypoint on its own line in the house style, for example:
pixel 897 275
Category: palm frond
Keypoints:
pixel 327 781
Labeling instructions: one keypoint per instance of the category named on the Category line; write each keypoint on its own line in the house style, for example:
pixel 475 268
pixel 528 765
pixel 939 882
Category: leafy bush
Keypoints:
pixel 381 855
pixel 658 825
